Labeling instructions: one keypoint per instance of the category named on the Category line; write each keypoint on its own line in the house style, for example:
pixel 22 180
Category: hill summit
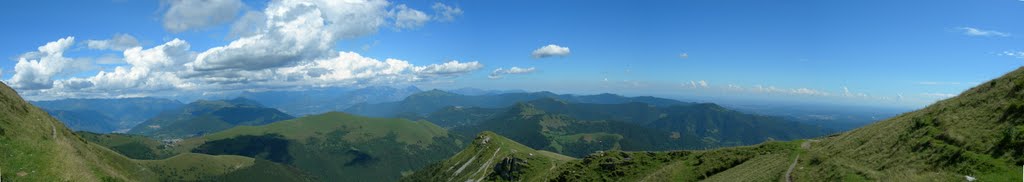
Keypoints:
pixel 205 116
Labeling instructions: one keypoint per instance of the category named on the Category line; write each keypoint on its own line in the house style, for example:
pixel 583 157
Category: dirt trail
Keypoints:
pixel 53 131
pixel 804 146
pixel 789 172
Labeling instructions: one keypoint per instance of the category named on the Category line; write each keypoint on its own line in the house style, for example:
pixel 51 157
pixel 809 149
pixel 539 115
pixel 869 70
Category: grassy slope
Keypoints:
pixel 979 133
pixel 40 148
pixel 485 160
pixel 37 147
pixel 195 167
pixel 132 146
pixel 339 146
pixel 486 151
pixel 359 128
pixel 764 162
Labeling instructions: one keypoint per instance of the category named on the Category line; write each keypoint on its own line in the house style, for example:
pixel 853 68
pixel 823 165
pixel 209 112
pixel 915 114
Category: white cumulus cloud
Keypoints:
pixel 183 15
pixel 295 31
pixel 550 50
pixel 35 70
pixel 448 68
pixel 351 68
pixel 501 72
pixel 408 18
pixel 288 45
pixel 153 68
pixel 807 91
pixel 696 84
pixel 445 13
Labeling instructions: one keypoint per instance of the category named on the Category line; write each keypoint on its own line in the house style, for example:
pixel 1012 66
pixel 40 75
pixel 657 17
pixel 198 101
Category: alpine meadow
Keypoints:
pixel 452 90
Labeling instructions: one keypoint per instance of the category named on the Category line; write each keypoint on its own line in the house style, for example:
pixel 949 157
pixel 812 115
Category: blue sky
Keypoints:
pixel 875 53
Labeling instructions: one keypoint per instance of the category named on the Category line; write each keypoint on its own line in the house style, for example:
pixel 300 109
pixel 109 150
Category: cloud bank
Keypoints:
pixel 289 44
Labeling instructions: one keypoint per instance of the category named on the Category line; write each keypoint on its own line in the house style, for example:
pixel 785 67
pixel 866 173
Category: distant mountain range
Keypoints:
pixel 125 112
pixel 317 101
pixel 423 103
pixel 477 91
pixel 85 120
pixel 204 117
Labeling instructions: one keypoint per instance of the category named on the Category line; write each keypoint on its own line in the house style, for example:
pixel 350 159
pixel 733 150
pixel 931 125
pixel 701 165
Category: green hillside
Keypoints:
pixel 454 116
pixel 131 146
pixel 204 117
pixel 562 134
pixel 717 126
pixel 979 134
pixel 336 145
pixel 492 157
pixel 37 147
pixel 714 125
pixel 202 167
pixel 578 129
pixel 763 162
